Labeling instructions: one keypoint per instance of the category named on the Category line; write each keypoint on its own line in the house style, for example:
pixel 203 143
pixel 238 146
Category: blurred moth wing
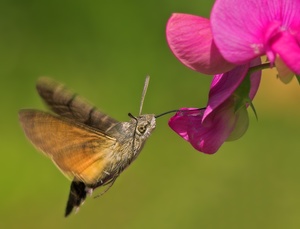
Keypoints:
pixel 78 151
pixel 65 103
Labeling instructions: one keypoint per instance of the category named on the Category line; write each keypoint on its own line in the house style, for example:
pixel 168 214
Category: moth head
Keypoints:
pixel 144 124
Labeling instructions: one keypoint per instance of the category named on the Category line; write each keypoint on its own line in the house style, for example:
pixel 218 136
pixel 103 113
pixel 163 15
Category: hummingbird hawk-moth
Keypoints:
pixel 88 146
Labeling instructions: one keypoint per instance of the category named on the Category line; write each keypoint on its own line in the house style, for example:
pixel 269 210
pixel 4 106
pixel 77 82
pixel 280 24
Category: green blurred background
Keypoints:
pixel 103 50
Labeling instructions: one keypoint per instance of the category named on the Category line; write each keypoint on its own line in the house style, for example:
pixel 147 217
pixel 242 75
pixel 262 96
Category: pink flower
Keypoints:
pixel 237 35
pixel 225 117
pixel 246 29
pixel 190 39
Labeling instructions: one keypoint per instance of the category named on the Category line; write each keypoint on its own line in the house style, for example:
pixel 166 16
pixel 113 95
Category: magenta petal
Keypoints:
pixel 239 27
pixel 182 122
pixel 234 25
pixel 190 39
pixel 215 130
pixel 208 129
pixel 209 136
pixel 205 137
pixel 223 85
pixel 289 51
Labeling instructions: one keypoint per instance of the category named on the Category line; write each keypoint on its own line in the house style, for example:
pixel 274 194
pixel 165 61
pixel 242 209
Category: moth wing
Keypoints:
pixel 78 151
pixel 67 104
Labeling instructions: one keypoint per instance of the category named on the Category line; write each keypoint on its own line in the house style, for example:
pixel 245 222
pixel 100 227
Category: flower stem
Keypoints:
pixel 259 67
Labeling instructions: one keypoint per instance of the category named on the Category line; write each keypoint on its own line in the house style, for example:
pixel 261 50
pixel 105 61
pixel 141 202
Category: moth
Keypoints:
pixel 89 147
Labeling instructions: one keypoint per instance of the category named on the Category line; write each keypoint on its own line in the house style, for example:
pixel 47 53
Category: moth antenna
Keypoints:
pixel 131 116
pixel 134 132
pixel 144 93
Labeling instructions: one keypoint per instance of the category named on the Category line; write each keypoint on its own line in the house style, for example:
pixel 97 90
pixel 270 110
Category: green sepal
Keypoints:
pixel 298 78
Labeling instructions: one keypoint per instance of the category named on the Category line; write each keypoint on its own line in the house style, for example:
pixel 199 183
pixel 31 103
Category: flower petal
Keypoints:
pixel 288 49
pixel 208 129
pixel 239 26
pixel 208 136
pixel 182 122
pixel 223 85
pixel 205 138
pixel 190 39
pixel 215 129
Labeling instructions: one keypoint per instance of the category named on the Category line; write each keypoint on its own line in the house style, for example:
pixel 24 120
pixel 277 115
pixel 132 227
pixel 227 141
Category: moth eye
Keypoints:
pixel 142 129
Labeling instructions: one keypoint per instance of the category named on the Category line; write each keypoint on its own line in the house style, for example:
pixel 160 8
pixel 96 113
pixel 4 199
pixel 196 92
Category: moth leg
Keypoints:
pixel 110 184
